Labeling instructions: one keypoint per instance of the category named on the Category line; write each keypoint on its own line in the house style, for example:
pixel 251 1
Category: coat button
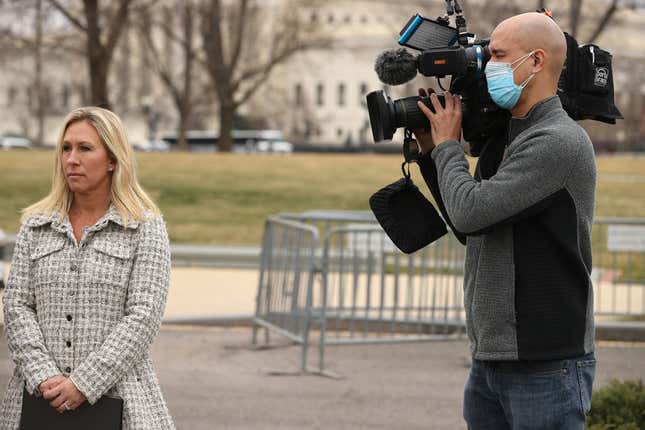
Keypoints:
pixel 74 267
pixel 68 343
pixel 71 293
pixel 69 317
pixel 68 369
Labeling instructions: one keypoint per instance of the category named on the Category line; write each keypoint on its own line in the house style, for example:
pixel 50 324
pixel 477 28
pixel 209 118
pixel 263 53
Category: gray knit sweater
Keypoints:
pixel 528 293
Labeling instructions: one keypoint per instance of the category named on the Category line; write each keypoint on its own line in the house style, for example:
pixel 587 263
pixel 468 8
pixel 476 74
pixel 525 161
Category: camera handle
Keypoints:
pixel 454 8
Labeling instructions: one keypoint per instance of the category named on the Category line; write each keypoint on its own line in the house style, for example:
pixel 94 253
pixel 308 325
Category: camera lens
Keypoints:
pixel 408 114
pixel 387 115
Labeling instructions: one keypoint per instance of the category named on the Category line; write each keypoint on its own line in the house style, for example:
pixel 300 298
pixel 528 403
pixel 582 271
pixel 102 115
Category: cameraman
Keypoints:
pixel 526 219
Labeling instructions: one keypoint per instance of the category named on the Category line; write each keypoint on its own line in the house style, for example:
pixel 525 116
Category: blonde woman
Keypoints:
pixel 88 282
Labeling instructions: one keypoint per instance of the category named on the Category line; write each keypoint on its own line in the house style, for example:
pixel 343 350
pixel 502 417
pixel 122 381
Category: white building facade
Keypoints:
pixel 316 96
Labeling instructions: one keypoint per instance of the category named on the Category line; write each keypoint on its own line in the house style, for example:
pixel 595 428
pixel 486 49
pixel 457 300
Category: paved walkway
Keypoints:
pixel 212 379
pixel 202 293
pixel 199 292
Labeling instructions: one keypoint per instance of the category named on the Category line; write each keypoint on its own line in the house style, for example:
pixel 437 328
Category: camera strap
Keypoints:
pixel 410 152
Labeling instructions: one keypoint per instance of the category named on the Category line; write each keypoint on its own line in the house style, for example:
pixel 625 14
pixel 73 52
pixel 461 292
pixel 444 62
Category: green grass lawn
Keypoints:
pixel 225 198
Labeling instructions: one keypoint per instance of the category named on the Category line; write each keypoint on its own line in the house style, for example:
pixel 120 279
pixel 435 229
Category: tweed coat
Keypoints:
pixel 88 310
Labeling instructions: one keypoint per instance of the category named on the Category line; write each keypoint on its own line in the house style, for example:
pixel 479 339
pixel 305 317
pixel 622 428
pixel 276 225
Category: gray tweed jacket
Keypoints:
pixel 88 310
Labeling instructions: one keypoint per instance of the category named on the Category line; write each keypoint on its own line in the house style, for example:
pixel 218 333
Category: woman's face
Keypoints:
pixel 85 159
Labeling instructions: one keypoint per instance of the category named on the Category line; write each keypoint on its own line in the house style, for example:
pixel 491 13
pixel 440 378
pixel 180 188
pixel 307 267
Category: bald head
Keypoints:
pixel 538 73
pixel 531 31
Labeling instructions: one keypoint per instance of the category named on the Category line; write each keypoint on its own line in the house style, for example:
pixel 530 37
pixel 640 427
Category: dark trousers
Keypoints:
pixel 529 395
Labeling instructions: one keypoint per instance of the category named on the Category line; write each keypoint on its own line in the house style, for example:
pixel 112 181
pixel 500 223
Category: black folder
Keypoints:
pixel 37 414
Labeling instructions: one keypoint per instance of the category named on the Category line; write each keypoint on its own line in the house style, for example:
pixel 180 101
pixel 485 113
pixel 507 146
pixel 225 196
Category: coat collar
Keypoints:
pixel 536 114
pixel 53 218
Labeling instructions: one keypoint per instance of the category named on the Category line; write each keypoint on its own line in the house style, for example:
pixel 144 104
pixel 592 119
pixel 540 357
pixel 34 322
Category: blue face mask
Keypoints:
pixel 501 83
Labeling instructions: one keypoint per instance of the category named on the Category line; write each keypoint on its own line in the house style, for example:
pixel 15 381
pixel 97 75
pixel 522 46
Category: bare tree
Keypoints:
pixel 180 88
pixel 38 75
pixel 231 34
pixel 604 21
pixel 491 12
pixel 29 39
pixel 102 30
pixel 576 8
pixel 574 16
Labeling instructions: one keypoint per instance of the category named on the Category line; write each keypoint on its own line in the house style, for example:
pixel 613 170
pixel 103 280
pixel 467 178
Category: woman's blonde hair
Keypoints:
pixel 129 198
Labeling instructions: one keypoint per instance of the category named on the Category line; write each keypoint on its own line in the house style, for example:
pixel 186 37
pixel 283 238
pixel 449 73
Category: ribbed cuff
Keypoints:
pixel 33 382
pixel 446 147
pixel 84 387
pixel 75 384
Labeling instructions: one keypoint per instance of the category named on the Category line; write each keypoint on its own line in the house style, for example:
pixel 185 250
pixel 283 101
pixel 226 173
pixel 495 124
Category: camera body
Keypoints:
pixel 585 87
pixel 464 62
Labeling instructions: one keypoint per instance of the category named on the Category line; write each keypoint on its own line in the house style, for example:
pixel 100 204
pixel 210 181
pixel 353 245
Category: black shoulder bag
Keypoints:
pixel 407 217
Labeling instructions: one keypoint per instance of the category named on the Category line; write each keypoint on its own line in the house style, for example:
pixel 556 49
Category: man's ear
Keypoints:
pixel 539 57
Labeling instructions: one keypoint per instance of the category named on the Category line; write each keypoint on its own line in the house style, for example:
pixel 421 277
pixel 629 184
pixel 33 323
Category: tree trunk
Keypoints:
pixel 184 112
pixel 98 82
pixel 226 116
pixel 185 106
pixel 98 60
pixel 38 79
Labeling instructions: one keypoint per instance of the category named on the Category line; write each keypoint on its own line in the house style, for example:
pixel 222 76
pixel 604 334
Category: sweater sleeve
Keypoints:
pixel 429 173
pixel 144 307
pixel 25 340
pixel 535 169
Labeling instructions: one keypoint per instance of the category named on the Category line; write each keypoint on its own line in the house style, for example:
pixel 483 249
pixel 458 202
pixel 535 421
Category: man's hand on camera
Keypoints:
pixel 445 122
pixel 424 135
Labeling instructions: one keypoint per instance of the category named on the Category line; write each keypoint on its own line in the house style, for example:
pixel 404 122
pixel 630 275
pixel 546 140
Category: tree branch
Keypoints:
pixel 168 31
pixel 609 13
pixel 282 56
pixel 163 72
pixel 212 41
pixel 239 37
pixel 574 16
pixel 70 17
pixel 116 26
pixel 261 74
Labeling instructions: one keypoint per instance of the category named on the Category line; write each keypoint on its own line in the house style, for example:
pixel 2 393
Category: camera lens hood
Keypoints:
pixel 380 108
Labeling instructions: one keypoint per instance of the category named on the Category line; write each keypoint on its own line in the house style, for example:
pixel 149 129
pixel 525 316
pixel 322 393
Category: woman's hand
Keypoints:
pixel 424 136
pixel 51 383
pixel 64 396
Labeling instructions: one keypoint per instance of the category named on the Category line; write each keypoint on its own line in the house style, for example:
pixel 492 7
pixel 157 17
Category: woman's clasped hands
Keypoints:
pixel 62 393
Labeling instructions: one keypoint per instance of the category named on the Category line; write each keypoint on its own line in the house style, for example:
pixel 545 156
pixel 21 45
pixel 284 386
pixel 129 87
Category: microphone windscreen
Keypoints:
pixel 396 66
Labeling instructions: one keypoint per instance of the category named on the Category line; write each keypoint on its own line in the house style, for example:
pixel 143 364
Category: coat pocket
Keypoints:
pixel 46 260
pixel 111 260
pixel 47 247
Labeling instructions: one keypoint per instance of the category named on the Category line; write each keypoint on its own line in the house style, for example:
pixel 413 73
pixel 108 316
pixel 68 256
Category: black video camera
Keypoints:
pixel 585 87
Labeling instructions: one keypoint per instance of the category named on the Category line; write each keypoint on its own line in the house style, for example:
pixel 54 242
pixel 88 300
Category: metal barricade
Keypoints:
pixel 287 270
pixel 359 288
pixel 619 268
pixel 367 291
pixel 373 293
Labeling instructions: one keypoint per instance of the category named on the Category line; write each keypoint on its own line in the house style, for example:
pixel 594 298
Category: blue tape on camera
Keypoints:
pixel 411 29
